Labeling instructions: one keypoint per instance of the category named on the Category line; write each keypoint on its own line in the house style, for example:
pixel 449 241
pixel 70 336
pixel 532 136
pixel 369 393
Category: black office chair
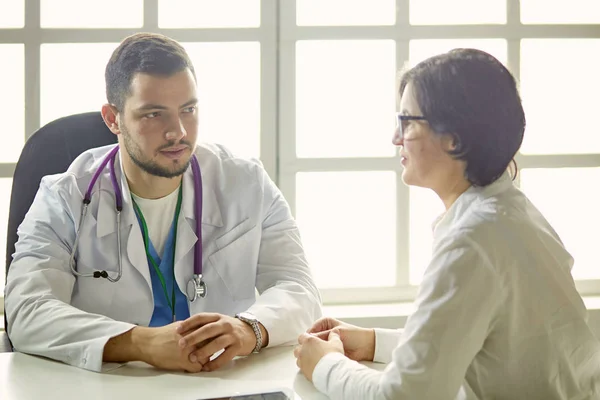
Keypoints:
pixel 50 150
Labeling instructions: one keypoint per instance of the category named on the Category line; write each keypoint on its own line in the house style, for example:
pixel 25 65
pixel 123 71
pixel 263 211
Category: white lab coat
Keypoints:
pixel 497 315
pixel 250 240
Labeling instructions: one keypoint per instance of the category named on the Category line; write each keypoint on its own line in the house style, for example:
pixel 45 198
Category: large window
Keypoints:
pixel 367 235
pixel 309 86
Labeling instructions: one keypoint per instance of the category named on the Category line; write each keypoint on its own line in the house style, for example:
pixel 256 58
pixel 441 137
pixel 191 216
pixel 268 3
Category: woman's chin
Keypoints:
pixel 407 177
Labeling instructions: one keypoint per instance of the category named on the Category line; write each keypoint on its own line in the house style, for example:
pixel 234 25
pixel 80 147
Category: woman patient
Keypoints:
pixel 497 314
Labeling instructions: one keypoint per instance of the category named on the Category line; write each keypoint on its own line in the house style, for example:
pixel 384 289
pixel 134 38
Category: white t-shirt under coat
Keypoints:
pixel 159 215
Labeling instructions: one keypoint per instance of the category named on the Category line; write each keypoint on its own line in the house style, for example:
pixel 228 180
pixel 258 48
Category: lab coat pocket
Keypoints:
pixel 236 261
pixel 94 252
pixel 234 233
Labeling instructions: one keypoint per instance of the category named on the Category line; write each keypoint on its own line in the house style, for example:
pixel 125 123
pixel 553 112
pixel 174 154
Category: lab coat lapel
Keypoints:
pixel 135 243
pixel 186 227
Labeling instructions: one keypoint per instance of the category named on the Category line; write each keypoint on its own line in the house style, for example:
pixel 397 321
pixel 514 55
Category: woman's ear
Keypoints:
pixel 450 142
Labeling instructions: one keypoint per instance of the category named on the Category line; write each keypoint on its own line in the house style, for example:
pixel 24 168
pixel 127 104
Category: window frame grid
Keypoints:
pixel 277 35
pixel 33 36
pixel 402 32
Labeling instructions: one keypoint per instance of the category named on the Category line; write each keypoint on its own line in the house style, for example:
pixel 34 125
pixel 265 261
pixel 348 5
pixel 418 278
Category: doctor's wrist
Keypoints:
pixel 128 346
pixel 141 344
pixel 249 341
pixel 265 335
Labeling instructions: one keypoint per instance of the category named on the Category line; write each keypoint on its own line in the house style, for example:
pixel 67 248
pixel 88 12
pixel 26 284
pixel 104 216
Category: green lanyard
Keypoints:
pixel 170 301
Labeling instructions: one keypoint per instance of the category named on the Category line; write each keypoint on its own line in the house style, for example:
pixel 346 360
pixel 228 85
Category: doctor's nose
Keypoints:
pixel 177 131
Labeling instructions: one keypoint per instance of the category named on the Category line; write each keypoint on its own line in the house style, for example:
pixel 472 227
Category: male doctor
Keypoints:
pixel 139 304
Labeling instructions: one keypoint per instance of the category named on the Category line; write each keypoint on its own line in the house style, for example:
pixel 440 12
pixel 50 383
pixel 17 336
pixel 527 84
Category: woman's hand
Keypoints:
pixel 359 343
pixel 312 349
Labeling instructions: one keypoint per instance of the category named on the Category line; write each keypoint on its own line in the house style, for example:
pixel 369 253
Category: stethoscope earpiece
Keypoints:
pixel 100 274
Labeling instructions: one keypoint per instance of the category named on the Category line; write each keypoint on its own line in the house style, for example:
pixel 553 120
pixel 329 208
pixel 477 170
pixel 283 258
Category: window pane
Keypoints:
pixel 348 226
pixel 558 100
pixel 12 106
pixel 82 14
pixel 457 12
pixel 229 94
pixel 72 78
pixel 560 11
pixel 5 190
pixel 569 198
pixel 345 95
pixel 13 13
pixel 345 12
pixel 208 13
pixel 425 48
pixel 425 207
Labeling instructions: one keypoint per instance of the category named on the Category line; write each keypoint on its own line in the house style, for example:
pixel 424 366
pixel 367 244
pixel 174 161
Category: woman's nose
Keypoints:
pixel 397 138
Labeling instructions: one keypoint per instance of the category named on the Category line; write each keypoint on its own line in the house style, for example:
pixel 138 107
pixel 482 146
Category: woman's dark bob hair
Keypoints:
pixel 470 95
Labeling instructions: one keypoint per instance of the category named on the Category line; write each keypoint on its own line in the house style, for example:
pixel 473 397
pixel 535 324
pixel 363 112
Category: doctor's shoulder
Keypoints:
pixel 227 167
pixel 71 184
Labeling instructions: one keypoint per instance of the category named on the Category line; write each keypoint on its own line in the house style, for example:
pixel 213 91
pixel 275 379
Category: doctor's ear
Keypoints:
pixel 110 115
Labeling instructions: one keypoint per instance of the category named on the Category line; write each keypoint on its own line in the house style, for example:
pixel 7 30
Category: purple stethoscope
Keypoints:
pixel 195 286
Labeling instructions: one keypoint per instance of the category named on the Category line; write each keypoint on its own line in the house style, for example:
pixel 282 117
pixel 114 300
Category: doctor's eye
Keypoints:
pixel 190 109
pixel 152 115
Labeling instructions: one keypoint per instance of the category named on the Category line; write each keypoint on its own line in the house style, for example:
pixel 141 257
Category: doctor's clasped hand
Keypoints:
pixel 187 345
pixel 211 333
pixel 158 347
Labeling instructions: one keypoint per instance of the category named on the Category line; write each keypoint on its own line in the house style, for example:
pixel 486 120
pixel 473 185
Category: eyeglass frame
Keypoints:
pixel 400 118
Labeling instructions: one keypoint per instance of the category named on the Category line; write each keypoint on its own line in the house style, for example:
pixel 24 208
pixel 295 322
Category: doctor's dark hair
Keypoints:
pixel 148 53
pixel 470 95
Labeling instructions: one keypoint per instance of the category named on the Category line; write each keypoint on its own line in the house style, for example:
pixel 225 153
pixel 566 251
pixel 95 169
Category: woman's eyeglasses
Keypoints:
pixel 403 120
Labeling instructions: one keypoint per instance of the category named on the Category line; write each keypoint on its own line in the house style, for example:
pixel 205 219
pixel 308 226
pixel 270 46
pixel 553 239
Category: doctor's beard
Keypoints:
pixel 149 166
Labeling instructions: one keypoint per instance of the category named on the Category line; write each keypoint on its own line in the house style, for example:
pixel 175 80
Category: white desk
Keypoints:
pixel 25 377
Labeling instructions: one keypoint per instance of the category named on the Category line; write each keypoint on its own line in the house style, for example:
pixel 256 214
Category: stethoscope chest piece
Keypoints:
pixel 196 288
